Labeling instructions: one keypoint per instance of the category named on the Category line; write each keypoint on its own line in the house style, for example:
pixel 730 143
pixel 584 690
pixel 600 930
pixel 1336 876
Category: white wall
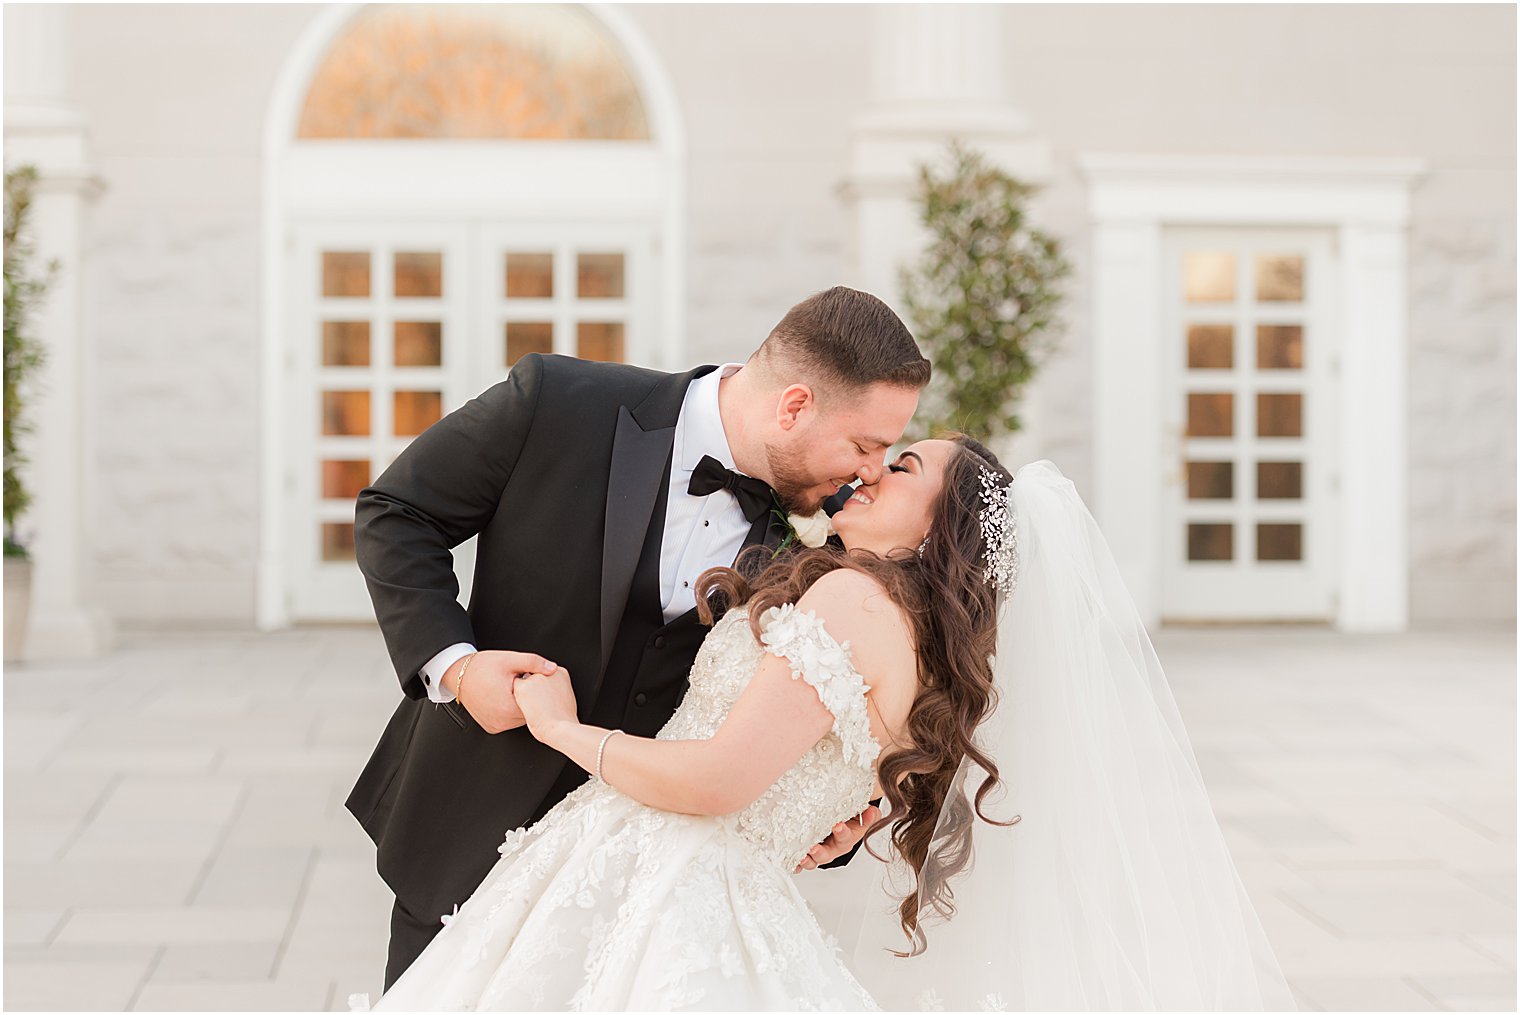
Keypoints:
pixel 175 100
pixel 176 95
pixel 767 93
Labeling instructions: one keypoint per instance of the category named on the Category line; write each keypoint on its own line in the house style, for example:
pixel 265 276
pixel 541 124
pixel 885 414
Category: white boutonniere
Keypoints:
pixel 809 530
pixel 812 530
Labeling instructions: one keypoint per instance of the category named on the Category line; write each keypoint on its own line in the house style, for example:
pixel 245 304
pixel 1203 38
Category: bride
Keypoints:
pixel 906 667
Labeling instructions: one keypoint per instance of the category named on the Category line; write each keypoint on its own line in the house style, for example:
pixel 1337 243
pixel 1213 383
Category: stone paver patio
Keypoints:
pixel 175 838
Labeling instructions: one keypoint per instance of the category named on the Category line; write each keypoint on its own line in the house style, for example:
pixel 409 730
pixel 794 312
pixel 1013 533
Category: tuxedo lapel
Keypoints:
pixel 638 457
pixel 768 531
pixel 776 531
pixel 641 447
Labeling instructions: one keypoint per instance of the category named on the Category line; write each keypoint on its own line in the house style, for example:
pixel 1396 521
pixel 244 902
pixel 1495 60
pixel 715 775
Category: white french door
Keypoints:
pixel 574 290
pixel 394 325
pixel 1249 500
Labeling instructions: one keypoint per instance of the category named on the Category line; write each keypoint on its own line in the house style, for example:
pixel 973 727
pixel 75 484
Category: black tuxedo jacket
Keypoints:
pixel 559 469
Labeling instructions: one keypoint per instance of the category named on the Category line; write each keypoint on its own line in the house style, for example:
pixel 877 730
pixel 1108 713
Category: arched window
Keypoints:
pixel 481 71
pixel 451 187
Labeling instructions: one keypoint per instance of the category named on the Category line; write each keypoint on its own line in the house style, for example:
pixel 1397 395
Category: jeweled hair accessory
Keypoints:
pixel 999 535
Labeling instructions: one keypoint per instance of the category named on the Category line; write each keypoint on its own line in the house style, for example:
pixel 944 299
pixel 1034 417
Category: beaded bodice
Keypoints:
pixel 832 781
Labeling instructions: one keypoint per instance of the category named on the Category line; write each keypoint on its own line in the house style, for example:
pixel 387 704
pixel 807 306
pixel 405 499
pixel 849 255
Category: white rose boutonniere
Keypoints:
pixel 812 531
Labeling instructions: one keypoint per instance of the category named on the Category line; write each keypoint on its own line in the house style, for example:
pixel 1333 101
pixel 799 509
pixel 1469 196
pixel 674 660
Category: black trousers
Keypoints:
pixel 409 936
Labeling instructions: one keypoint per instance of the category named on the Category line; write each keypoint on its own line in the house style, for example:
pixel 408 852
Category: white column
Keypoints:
pixel 42 129
pixel 1127 386
pixel 1374 527
pixel 936 74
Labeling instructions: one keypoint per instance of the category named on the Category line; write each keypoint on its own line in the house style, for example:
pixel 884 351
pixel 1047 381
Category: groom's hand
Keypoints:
pixel 843 839
pixel 488 687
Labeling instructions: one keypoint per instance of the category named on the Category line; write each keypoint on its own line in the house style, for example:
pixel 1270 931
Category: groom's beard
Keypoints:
pixel 794 485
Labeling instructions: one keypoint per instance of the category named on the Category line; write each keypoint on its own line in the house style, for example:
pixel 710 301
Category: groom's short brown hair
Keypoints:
pixel 845 339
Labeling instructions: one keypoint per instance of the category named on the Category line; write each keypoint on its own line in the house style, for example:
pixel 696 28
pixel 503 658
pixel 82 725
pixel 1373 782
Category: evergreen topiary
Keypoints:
pixel 23 354
pixel 982 299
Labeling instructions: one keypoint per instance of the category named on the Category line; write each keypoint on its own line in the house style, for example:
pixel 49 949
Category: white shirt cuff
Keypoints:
pixel 434 669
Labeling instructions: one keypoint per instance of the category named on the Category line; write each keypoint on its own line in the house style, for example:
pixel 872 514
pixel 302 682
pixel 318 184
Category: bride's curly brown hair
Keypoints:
pixel 953 612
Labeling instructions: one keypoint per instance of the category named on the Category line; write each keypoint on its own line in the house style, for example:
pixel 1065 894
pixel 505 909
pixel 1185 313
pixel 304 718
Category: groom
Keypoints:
pixel 600 492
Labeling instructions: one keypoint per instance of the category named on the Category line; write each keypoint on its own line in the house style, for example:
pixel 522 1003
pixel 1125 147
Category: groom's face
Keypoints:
pixel 819 449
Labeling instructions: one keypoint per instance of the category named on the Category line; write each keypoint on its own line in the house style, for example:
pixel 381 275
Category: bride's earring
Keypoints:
pixel 922 545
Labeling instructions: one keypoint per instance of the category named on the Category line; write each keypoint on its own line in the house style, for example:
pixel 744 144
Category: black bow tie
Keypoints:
pixel 753 494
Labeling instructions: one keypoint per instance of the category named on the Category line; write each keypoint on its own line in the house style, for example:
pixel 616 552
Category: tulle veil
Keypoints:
pixel 1115 890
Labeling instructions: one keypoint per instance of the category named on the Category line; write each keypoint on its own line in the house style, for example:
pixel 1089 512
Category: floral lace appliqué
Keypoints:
pixel 800 637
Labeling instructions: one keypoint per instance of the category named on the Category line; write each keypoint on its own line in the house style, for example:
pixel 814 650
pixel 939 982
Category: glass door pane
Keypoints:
pixel 381 309
pixel 1249 512
pixel 573 290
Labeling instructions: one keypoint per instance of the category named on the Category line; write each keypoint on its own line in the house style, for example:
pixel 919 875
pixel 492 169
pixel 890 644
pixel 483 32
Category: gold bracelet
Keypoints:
pixel 459 684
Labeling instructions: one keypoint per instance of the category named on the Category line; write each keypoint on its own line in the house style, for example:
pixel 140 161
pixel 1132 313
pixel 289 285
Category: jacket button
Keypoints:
pixel 659 641
pixel 641 698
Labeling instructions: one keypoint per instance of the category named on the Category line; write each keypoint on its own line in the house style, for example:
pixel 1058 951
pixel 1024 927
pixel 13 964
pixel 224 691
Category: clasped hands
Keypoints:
pixel 505 690
pixel 487 690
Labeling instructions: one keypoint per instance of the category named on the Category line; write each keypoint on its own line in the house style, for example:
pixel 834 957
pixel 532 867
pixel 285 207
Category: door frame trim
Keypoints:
pixel 1366 204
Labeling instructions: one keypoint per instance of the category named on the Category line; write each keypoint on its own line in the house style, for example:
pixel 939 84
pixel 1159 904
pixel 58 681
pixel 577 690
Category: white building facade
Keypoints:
pixel 1286 384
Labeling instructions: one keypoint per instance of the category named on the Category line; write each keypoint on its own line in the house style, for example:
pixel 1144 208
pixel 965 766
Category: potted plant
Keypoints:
pixel 23 356
pixel 982 298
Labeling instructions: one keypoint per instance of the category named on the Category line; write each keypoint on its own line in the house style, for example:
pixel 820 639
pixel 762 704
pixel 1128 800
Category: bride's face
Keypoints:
pixel 895 511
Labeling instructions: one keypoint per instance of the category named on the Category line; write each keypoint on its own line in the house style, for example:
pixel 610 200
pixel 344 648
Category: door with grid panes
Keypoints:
pixel 1250 349
pixel 394 326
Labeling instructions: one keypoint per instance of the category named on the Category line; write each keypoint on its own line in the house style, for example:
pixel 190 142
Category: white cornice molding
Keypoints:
pixel 1250 189
pixel 53 138
pixel 43 117
pixel 1097 165
pixel 938 117
pixel 442 179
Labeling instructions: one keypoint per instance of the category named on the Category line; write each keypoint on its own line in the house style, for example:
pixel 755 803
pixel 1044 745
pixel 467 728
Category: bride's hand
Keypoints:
pixel 546 700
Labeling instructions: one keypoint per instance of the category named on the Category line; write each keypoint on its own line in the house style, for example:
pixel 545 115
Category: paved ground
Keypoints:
pixel 174 834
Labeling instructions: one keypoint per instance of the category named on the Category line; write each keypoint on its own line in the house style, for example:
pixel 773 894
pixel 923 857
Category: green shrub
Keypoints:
pixel 982 299
pixel 23 353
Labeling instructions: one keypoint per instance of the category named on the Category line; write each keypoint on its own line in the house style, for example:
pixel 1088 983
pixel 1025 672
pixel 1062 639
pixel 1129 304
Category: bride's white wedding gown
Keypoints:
pixel 608 904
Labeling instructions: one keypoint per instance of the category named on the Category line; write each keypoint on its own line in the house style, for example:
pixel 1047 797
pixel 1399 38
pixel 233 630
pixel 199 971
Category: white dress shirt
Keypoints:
pixel 700 532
